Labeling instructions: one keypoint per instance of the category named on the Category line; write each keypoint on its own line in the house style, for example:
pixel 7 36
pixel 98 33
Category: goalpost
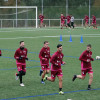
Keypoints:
pixel 16 12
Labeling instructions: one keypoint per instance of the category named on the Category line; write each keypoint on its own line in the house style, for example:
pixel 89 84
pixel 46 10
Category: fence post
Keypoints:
pixel 1 23
pixel 49 22
pixel 82 22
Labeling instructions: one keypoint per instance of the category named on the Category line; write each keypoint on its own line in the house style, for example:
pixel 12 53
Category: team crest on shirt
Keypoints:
pixel 24 52
pixel 20 51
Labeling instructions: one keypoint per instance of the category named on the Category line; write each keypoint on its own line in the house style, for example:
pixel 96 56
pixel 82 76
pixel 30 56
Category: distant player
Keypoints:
pixel 62 20
pixel 44 56
pixel 86 58
pixel 72 21
pixel 86 19
pixel 68 21
pixel 0 53
pixel 56 61
pixel 41 17
pixel 20 56
pixel 94 22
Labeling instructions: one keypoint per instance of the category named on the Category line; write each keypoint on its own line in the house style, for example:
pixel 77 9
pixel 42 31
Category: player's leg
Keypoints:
pixel 19 68
pixel 82 76
pixel 22 72
pixel 90 71
pixel 43 75
pixel 90 81
pixel 60 75
pixel 73 24
pixel 52 78
pixel 60 85
pixel 68 24
pixel 62 25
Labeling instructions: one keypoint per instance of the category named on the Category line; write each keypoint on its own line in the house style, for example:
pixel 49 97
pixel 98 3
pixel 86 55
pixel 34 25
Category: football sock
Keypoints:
pixel 89 86
pixel 60 89
pixel 41 79
pixel 20 76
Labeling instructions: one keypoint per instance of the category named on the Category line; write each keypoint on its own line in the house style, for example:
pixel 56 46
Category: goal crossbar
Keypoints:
pixel 21 7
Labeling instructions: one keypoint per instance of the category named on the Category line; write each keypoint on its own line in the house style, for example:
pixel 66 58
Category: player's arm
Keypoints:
pixel 40 55
pixel 92 59
pixel 62 62
pixel 52 60
pixel 16 55
pixel 82 57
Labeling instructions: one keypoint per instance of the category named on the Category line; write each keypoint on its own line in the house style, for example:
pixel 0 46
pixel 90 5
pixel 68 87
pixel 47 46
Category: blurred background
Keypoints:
pixel 51 9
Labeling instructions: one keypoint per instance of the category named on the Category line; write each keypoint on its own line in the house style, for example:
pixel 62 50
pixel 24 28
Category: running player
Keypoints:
pixel 44 56
pixel 68 21
pixel 86 58
pixel 94 22
pixel 20 56
pixel 41 17
pixel 56 61
pixel 86 21
pixel 72 21
pixel 62 20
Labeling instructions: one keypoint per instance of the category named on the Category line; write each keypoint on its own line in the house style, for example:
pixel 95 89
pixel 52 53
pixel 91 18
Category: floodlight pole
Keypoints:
pixel 16 13
pixel 42 7
pixel 66 7
pixel 89 11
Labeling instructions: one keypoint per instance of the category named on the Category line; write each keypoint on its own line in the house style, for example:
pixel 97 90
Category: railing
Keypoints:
pixel 32 22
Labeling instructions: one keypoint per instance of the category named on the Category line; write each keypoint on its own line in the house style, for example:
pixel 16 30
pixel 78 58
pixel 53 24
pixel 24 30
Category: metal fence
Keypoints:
pixel 6 23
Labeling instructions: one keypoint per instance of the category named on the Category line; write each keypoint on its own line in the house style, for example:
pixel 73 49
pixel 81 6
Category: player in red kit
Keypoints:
pixel 68 21
pixel 44 56
pixel 94 22
pixel 56 61
pixel 41 17
pixel 86 58
pixel 62 20
pixel 20 56
pixel 0 53
pixel 86 20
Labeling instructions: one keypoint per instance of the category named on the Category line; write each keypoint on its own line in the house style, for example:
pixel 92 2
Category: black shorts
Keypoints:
pixel 72 23
pixel 68 24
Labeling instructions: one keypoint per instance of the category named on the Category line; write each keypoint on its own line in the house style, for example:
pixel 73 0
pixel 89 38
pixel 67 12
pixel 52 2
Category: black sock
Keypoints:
pixel 41 79
pixel 20 76
pixel 89 86
pixel 60 89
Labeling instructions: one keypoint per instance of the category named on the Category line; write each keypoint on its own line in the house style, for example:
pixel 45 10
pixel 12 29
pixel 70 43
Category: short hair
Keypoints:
pixel 89 45
pixel 59 45
pixel 21 42
pixel 45 42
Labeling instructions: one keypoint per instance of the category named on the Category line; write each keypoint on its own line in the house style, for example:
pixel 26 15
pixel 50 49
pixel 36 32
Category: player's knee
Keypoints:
pixel 91 76
pixel 83 77
pixel 52 80
pixel 24 73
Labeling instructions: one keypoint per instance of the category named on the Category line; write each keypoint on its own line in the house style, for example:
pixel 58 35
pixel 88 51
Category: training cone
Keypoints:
pixel 81 41
pixel 60 38
pixel 70 39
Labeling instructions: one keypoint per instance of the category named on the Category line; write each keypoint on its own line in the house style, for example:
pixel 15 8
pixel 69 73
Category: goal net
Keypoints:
pixel 20 16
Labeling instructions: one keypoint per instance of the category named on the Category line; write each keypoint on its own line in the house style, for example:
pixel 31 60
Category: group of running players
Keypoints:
pixel 70 21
